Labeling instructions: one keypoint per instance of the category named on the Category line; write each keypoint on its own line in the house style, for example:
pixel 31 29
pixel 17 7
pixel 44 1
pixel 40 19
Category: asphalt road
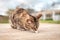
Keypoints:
pixel 45 32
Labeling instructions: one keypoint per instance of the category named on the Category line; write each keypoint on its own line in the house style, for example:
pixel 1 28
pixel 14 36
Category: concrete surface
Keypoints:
pixel 45 32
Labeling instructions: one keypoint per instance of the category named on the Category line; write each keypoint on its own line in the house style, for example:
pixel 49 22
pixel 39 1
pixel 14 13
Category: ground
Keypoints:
pixel 45 32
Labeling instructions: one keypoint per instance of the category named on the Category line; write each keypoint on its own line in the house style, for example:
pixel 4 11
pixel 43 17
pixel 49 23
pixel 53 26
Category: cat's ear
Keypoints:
pixel 38 16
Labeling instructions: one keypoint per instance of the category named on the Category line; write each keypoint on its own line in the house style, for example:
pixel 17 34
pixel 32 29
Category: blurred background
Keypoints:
pixel 50 9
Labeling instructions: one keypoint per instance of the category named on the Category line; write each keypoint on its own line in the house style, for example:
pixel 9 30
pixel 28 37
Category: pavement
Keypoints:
pixel 46 31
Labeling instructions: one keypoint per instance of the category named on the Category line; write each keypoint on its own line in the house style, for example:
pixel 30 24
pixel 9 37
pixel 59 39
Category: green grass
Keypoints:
pixel 4 20
pixel 49 21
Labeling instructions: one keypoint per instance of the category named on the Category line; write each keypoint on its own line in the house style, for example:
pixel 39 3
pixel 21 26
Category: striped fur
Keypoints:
pixel 21 19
